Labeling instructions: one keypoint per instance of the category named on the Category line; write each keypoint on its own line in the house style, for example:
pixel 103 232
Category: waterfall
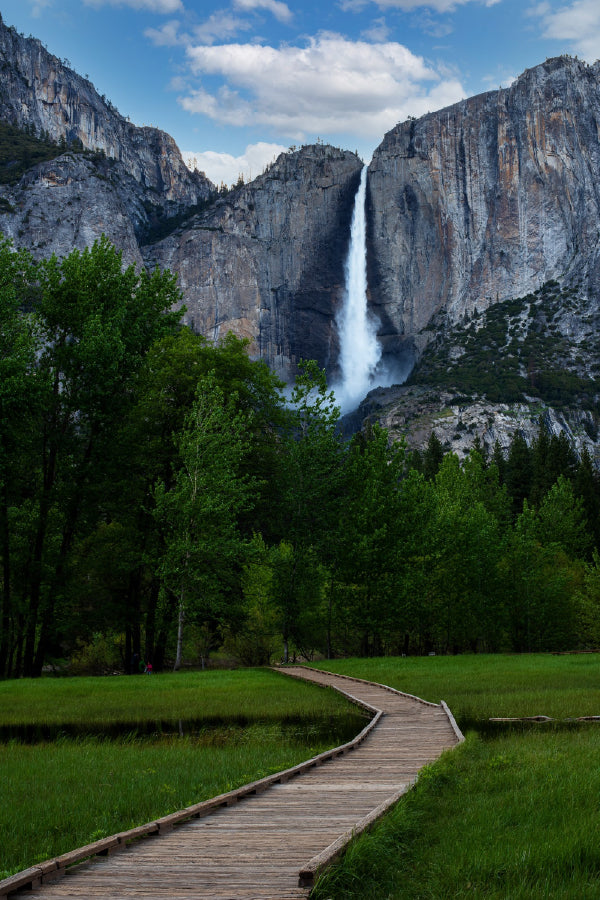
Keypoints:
pixel 360 350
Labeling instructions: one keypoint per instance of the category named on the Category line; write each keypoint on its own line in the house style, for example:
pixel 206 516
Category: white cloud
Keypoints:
pixel 280 10
pixel 378 31
pixel 329 86
pixel 578 24
pixel 167 35
pixel 219 26
pixel 158 6
pixel 223 167
pixel 440 6
pixel 352 5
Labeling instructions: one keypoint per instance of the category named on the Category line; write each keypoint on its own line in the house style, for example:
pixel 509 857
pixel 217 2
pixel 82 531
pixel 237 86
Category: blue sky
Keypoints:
pixel 237 81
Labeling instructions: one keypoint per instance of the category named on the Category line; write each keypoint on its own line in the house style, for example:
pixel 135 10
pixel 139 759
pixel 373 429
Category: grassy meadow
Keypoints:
pixel 72 790
pixel 514 812
pixel 242 695
pixel 481 686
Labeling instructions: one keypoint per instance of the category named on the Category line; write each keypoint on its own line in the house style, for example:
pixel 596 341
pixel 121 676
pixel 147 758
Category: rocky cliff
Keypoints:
pixel 39 91
pixel 267 261
pixel 483 240
pixel 486 200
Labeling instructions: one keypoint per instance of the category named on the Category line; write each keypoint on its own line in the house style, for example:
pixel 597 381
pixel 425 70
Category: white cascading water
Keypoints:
pixel 360 351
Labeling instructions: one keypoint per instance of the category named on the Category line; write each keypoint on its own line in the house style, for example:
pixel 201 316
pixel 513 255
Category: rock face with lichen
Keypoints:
pixel 267 262
pixel 38 90
pixel 486 200
pixel 483 245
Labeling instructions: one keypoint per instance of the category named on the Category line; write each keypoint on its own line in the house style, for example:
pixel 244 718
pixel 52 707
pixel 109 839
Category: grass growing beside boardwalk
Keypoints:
pixel 517 816
pixel 514 814
pixel 240 695
pixel 479 686
pixel 56 796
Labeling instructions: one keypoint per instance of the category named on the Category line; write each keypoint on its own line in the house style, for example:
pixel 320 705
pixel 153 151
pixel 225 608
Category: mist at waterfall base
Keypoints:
pixel 360 361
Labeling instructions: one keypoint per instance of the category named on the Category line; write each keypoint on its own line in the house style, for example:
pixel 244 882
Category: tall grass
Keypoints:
pixel 57 796
pixel 506 815
pixel 514 817
pixel 481 686
pixel 212 696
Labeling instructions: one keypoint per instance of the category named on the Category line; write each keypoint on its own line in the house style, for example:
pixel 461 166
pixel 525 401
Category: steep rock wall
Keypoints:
pixel 486 200
pixel 37 89
pixel 267 262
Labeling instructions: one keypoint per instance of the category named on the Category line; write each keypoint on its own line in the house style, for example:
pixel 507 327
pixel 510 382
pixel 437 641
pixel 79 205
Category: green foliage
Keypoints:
pixel 478 823
pixel 20 150
pixel 513 349
pixel 198 514
pixel 156 488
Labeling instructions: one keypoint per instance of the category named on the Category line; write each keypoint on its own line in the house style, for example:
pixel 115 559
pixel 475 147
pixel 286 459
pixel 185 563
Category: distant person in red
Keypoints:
pixel 148 669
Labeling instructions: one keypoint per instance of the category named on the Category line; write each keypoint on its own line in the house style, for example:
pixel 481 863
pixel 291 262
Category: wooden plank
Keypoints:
pixel 250 844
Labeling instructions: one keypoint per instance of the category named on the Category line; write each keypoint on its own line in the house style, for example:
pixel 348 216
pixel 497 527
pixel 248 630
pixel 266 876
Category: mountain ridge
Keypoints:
pixel 468 208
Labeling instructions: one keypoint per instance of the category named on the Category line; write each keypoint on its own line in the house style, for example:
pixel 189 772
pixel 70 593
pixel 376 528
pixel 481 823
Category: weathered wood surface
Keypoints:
pixel 265 844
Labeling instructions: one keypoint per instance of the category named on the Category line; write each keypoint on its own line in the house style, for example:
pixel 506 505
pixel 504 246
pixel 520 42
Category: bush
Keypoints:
pixel 102 655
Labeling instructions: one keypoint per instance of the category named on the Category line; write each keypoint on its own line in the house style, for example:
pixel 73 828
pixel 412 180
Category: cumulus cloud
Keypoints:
pixel 377 32
pixel 223 167
pixel 329 86
pixel 440 6
pixel 220 26
pixel 578 24
pixel 280 10
pixel 167 35
pixel 158 6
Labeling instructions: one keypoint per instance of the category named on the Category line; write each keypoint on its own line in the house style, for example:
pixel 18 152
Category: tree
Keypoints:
pixel 433 456
pixel 562 521
pixel 199 511
pixel 518 472
pixel 309 478
pixel 464 540
pixel 97 322
pixel 371 528
pixel 19 397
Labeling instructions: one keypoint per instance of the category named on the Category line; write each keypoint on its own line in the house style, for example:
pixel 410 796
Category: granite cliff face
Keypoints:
pixel 492 204
pixel 267 261
pixel 486 200
pixel 37 89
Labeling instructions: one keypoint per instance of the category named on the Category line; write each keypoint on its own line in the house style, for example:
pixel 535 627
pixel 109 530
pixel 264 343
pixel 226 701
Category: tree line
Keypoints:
pixel 161 499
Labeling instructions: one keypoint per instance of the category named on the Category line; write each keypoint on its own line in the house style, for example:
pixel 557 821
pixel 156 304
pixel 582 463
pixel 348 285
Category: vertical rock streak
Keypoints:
pixel 360 350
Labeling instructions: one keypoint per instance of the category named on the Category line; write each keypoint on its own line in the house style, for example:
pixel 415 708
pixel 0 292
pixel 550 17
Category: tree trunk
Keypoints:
pixel 180 624
pixel 6 587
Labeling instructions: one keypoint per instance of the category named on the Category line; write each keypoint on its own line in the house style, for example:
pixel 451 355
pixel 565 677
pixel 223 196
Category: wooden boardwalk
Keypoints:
pixel 266 845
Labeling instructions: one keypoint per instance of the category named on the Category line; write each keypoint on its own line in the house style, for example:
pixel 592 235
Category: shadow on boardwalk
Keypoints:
pixel 265 841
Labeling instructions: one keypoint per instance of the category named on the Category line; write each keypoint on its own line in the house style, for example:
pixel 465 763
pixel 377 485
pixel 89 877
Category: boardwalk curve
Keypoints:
pixel 265 841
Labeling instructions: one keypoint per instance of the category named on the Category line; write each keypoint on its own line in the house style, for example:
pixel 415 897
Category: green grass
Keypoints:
pixel 56 796
pixel 514 817
pixel 506 815
pixel 481 686
pixel 243 695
